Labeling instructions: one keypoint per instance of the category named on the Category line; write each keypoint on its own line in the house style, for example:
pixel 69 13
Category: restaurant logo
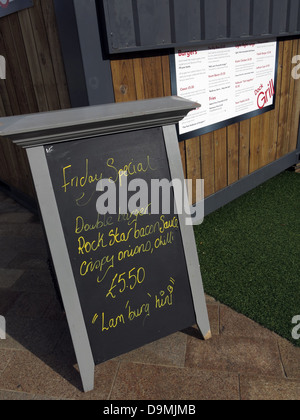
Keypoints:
pixel 264 96
pixel 296 330
pixel 2 328
pixel 2 67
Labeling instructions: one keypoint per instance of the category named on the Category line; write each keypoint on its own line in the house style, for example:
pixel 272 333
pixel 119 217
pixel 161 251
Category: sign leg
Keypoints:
pixel 64 272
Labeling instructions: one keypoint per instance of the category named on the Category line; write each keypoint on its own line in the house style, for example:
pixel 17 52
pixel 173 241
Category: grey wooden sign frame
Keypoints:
pixel 35 131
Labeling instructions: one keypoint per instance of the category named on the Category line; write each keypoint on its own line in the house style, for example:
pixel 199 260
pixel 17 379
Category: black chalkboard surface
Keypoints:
pixel 130 269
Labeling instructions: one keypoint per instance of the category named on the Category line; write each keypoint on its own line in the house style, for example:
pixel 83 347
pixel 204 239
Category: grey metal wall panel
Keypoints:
pixel 137 25
pixel 89 79
pixel 261 17
pixel 280 16
pixel 120 23
pixel 154 22
pixel 187 20
pixel 294 17
pixel 239 18
pixel 215 19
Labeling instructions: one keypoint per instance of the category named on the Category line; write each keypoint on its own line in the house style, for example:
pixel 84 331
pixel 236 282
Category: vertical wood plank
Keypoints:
pixel 295 112
pixel 290 115
pixel 4 168
pixel 8 91
pixel 193 165
pixel 208 163
pixel 33 60
pixel 220 141
pixel 18 97
pixel 35 80
pixel 264 158
pixel 123 80
pixel 165 61
pixel 244 148
pixel 44 56
pixel 272 135
pixel 23 64
pixel 182 148
pixel 2 109
pixel 275 114
pixel 6 106
pixel 233 153
pixel 283 142
pixel 13 177
pixel 139 78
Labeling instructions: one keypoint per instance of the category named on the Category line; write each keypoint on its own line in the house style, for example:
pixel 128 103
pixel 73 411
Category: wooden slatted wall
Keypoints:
pixel 229 154
pixel 35 82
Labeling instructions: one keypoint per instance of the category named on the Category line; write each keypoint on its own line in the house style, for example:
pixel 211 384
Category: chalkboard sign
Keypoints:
pixel 130 269
pixel 131 275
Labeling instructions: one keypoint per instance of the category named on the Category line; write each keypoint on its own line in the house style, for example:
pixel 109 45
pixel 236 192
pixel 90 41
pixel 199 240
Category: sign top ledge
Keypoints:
pixel 77 123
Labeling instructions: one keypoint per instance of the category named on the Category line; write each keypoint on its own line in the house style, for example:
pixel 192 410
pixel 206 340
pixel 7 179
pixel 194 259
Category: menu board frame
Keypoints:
pixel 215 122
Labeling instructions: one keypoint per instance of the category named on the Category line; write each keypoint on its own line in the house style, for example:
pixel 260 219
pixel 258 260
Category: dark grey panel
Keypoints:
pixel 154 22
pixel 294 16
pixel 137 25
pixel 120 23
pixel 280 16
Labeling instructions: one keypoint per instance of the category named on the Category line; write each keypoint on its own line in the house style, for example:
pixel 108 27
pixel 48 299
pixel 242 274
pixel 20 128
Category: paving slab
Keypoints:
pixel 169 351
pixel 230 354
pixel 144 382
pixel 290 356
pixel 233 324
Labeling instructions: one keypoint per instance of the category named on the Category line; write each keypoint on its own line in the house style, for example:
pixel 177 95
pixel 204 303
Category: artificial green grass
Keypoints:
pixel 249 254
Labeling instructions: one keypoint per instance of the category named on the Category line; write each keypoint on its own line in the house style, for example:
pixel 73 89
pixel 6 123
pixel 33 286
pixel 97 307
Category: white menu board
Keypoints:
pixel 11 6
pixel 231 83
